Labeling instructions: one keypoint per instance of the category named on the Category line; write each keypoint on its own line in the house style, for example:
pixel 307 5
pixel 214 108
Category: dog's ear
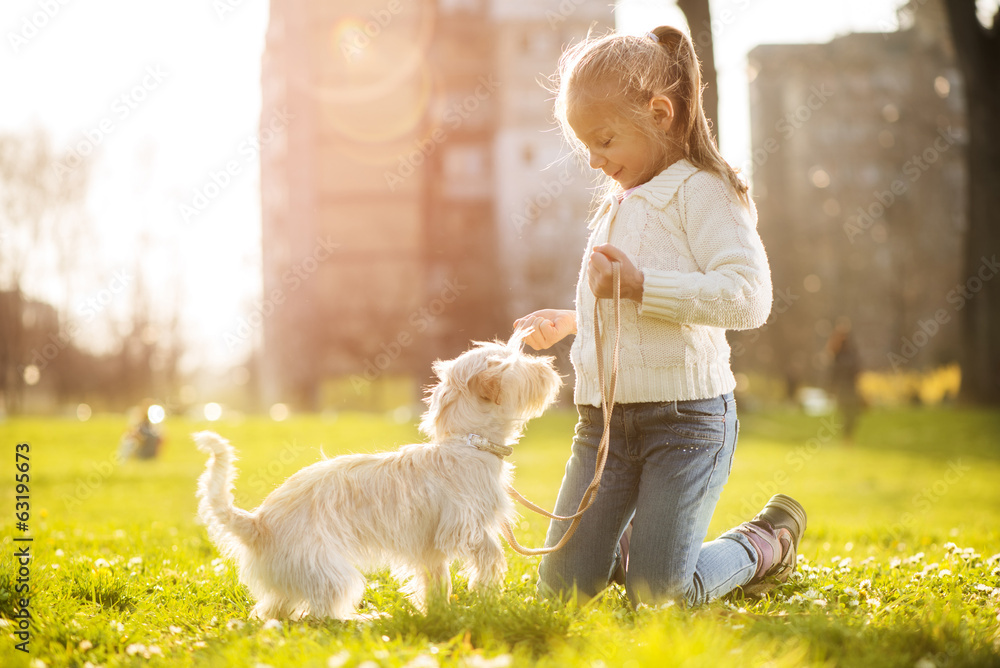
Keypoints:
pixel 486 383
pixel 440 400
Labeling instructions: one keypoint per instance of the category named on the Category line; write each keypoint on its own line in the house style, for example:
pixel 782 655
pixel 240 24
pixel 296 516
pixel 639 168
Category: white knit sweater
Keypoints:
pixel 705 271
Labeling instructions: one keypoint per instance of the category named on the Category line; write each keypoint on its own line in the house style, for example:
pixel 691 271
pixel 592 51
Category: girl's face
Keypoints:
pixel 616 147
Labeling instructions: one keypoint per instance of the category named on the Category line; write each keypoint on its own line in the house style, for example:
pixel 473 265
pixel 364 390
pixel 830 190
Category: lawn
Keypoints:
pixel 900 565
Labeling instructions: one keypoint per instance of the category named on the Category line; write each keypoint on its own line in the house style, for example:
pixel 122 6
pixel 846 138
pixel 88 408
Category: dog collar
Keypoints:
pixel 486 445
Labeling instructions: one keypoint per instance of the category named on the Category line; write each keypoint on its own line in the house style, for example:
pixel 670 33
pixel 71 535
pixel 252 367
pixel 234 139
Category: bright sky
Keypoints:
pixel 172 90
pixel 740 25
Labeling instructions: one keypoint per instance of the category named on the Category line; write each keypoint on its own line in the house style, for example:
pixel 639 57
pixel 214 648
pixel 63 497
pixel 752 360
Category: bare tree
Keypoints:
pixel 977 47
pixel 41 200
pixel 699 18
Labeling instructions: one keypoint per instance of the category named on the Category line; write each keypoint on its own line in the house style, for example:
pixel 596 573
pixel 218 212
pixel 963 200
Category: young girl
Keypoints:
pixel 682 226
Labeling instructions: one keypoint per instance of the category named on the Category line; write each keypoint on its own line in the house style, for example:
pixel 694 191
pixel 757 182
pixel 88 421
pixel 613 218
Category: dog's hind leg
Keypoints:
pixel 338 592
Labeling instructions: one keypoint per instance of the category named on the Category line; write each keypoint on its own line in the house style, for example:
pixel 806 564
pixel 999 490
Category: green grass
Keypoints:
pixel 900 565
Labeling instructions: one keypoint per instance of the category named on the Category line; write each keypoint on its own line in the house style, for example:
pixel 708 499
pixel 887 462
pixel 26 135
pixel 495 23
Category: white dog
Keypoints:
pixel 303 550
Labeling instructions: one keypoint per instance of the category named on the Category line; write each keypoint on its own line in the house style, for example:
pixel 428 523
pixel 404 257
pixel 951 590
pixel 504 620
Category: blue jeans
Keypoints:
pixel 667 465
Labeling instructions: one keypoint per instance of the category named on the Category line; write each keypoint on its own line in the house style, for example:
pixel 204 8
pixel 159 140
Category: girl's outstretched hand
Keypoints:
pixel 599 274
pixel 547 327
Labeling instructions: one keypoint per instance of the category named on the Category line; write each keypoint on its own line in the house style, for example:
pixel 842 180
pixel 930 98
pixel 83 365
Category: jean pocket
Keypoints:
pixel 588 417
pixel 701 419
pixel 702 408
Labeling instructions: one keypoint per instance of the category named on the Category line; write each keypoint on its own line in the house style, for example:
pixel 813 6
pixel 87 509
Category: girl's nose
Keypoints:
pixel 596 160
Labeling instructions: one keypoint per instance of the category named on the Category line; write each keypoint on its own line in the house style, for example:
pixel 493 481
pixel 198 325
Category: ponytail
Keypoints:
pixel 696 136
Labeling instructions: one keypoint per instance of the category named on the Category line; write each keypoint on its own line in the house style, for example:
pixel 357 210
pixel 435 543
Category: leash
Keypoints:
pixel 607 405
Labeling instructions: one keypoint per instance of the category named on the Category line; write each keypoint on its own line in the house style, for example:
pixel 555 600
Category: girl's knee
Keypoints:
pixel 563 580
pixel 687 591
pixel 553 579
pixel 553 585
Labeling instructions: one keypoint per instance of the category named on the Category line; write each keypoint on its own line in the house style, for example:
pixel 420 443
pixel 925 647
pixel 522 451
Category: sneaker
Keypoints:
pixel 621 556
pixel 775 533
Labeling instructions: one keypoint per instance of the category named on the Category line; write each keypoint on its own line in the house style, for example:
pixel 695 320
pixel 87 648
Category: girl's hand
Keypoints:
pixel 599 274
pixel 547 327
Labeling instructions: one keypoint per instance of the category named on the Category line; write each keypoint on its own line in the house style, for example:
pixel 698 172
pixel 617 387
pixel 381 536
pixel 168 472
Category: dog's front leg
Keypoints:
pixel 437 583
pixel 488 564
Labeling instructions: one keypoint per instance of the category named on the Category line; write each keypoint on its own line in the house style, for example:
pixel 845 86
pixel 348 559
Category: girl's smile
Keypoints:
pixel 615 147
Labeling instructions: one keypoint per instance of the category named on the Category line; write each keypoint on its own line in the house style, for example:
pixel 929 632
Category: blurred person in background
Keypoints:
pixel 845 367
pixel 143 438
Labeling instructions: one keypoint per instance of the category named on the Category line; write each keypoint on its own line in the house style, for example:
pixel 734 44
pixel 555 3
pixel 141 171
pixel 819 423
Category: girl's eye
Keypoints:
pixel 605 144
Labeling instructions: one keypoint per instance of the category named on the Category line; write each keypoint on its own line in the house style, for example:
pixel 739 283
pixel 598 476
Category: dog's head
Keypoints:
pixel 494 385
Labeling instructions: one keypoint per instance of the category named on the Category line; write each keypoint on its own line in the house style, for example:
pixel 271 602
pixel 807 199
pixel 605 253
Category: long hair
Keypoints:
pixel 628 71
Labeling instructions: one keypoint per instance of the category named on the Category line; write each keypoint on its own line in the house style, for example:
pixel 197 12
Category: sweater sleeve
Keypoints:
pixel 732 287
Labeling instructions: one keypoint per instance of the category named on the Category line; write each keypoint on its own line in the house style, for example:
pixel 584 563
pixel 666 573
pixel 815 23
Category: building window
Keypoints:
pixel 465 171
pixel 456 6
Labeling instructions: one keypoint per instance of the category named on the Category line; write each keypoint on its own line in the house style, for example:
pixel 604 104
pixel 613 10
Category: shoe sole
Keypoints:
pixel 794 510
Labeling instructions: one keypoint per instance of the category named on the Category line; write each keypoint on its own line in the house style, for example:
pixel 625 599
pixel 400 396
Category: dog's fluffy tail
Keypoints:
pixel 229 527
